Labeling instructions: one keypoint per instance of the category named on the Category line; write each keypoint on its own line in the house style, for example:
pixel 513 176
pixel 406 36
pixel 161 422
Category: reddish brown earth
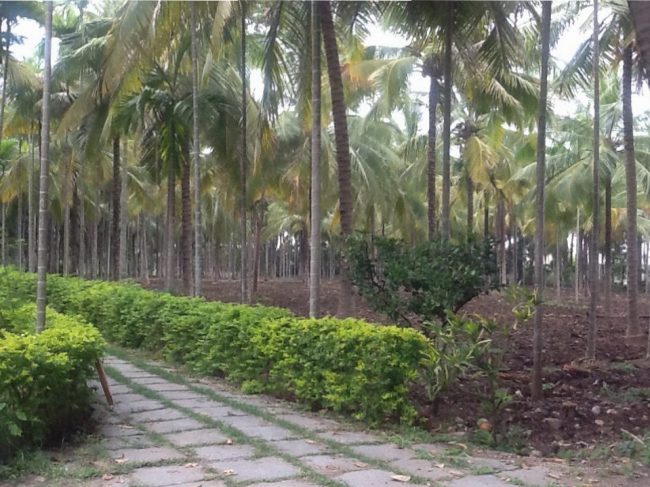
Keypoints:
pixel 584 404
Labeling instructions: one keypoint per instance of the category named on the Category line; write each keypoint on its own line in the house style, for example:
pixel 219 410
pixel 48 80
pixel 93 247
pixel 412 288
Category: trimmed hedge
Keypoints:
pixel 346 365
pixel 43 378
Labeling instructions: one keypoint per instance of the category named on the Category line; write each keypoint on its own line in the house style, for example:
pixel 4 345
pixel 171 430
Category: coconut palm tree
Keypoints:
pixel 536 377
pixel 315 239
pixel 41 296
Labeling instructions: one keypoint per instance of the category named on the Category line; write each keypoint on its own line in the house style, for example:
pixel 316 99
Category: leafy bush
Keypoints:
pixel 427 280
pixel 43 378
pixel 345 365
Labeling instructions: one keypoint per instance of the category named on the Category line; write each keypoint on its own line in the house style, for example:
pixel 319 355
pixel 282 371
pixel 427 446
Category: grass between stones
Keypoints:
pixel 262 446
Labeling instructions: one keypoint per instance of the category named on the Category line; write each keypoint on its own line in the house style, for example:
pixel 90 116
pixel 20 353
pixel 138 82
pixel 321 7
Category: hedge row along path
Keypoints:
pixel 166 430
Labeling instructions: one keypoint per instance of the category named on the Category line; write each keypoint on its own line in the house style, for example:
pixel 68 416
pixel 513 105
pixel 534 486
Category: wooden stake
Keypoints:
pixel 104 382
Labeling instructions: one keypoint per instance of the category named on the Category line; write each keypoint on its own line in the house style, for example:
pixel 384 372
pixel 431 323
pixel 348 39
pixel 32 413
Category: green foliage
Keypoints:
pixel 459 345
pixel 43 378
pixel 427 280
pixel 345 365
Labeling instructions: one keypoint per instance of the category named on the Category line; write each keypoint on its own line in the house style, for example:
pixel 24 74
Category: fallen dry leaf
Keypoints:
pixel 401 478
pixel 360 464
pixel 191 465
pixel 440 465
pixel 311 442
pixel 121 460
pixel 229 441
pixel 107 476
pixel 228 472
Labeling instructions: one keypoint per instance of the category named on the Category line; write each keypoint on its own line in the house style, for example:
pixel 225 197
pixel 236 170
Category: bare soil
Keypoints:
pixel 586 405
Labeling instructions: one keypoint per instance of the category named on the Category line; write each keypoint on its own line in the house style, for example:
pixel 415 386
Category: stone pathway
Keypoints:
pixel 165 430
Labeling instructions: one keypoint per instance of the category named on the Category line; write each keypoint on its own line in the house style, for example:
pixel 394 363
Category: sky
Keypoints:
pixel 32 35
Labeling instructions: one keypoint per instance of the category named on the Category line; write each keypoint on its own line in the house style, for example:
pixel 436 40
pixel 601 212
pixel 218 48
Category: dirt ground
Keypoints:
pixel 586 405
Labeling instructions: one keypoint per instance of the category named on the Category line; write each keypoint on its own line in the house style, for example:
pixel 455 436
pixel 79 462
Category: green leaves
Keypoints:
pixel 423 282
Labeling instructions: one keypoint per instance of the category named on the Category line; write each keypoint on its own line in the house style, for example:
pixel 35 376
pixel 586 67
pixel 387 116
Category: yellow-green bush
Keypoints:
pixel 345 365
pixel 43 378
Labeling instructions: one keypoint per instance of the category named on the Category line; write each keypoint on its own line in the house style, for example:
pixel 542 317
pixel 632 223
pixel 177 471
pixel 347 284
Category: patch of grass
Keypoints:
pixel 626 395
pixel 625 367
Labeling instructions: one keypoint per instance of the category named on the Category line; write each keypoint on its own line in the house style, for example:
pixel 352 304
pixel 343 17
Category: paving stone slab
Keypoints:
pixel 147 455
pixel 224 452
pixel 248 421
pixel 137 406
pixel 148 380
pixel 203 483
pixel 267 433
pixel 164 476
pixel 422 468
pixel 300 447
pixel 135 441
pixel 349 437
pixel 117 430
pixel 309 422
pixel 267 468
pixel 385 452
pixel 478 481
pixel 374 478
pixel 174 425
pixel 219 412
pixel 331 465
pixel 179 395
pixel 286 483
pixel 533 477
pixel 195 403
pixel 116 390
pixel 128 397
pixel 167 386
pixel 196 437
pixel 157 415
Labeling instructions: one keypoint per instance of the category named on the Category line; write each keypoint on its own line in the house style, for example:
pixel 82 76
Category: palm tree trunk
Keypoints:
pixel 123 260
pixel 3 102
pixel 608 242
pixel 470 207
pixel 536 377
pixel 341 142
pixel 633 328
pixel 431 147
pixel 41 279
pixel 578 256
pixel 19 233
pixel 115 230
pixel 259 223
pixel 595 198
pixel 186 226
pixel 67 176
pixel 243 163
pixel 558 266
pixel 94 247
pixel 31 240
pixel 315 213
pixel 195 154
pixel 169 230
pixel 446 128
pixel 82 224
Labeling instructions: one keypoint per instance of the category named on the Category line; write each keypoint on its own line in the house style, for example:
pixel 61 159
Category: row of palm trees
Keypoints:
pixel 165 162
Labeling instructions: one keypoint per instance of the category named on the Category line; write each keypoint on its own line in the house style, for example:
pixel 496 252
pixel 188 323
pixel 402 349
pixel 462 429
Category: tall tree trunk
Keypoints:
pixel 169 230
pixel 94 247
pixel 431 146
pixel 123 260
pixel 608 242
pixel 67 202
pixel 19 233
pixel 257 243
pixel 470 206
pixel 578 256
pixel 82 223
pixel 186 226
pixel 41 279
pixel 633 328
pixel 595 196
pixel 195 155
pixel 446 128
pixel 536 377
pixel 341 143
pixel 243 162
pixel 3 102
pixel 315 213
pixel 115 230
pixel 31 220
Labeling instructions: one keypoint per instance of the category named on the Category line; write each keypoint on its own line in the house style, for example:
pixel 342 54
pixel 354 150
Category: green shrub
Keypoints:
pixel 426 281
pixel 43 378
pixel 345 365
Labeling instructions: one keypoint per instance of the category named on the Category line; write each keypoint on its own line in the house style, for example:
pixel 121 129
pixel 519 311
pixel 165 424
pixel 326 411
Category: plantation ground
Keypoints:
pixel 588 410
